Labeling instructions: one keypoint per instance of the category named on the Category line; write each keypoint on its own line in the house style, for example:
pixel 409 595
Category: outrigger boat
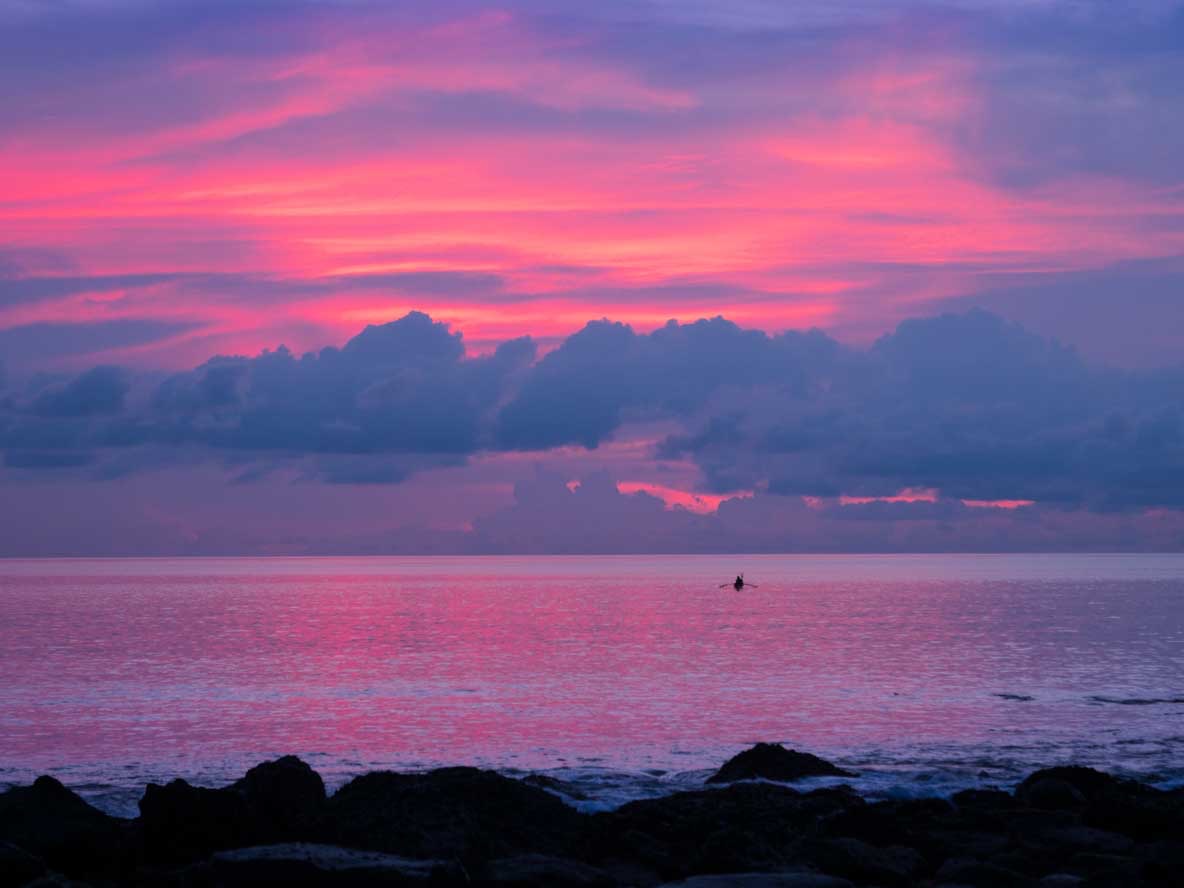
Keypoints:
pixel 738 584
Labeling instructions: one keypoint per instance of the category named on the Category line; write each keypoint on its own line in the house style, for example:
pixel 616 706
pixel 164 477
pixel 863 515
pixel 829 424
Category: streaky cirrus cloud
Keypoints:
pixel 241 173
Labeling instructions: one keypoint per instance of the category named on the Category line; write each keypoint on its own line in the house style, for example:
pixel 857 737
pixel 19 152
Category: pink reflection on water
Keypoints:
pixel 633 661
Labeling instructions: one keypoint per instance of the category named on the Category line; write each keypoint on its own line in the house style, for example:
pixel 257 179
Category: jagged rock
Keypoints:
pixel 182 822
pixel 745 826
pixel 530 870
pixel 761 880
pixel 983 800
pixel 977 874
pixel 943 844
pixel 50 821
pixel 451 812
pixel 285 798
pixel 1133 809
pixel 1162 861
pixel 892 822
pixel 464 824
pixel 1051 794
pixel 1141 812
pixel 1033 821
pixel 1089 782
pixel 772 761
pixel 310 864
pixel 1084 838
pixel 892 865
pixel 18 866
pixel 1106 868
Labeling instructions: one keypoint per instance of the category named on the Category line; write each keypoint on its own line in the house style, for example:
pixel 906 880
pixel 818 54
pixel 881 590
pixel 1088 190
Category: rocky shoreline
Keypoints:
pixel 1061 826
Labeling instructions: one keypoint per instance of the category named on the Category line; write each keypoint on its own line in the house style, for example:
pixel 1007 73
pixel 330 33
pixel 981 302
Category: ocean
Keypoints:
pixel 624 677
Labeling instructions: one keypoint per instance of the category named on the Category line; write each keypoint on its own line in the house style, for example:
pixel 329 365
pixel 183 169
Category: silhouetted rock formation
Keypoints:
pixel 772 761
pixel 742 827
pixel 307 864
pixel 182 822
pixel 54 824
pixel 285 799
pixel 450 813
pixel 1061 827
pixel 280 801
pixel 762 880
pixel 18 866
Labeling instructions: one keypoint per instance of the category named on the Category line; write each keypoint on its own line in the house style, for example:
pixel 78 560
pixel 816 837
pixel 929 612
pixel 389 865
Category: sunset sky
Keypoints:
pixel 947 240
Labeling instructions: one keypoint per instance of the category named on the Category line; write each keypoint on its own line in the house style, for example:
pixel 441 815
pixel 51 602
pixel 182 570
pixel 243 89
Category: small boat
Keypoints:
pixel 739 584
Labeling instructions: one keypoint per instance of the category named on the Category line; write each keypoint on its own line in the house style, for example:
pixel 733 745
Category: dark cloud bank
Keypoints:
pixel 965 404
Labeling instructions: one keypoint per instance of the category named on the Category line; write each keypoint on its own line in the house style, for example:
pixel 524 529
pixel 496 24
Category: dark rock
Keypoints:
pixel 450 813
pixel 745 826
pixel 300 864
pixel 458 825
pixel 1122 806
pixel 1162 861
pixel 1111 868
pixel 931 827
pixel 772 761
pixel 983 800
pixel 180 822
pixel 285 799
pixel 1032 861
pixel 1141 812
pixel 944 844
pixel 647 851
pixel 731 848
pixel 893 865
pixel 875 824
pixel 1089 782
pixel 1032 821
pixel 761 880
pixel 1084 838
pixel 18 866
pixel 922 812
pixel 53 823
pixel 902 822
pixel 977 874
pixel 530 870
pixel 985 809
pixel 277 801
pixel 1051 794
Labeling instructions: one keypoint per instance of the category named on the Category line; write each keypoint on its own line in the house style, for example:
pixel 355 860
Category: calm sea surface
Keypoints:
pixel 628 676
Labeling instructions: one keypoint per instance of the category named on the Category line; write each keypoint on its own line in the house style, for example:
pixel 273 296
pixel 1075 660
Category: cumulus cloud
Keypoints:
pixel 97 392
pixel 1137 329
pixel 581 392
pixel 967 405
pixel 401 389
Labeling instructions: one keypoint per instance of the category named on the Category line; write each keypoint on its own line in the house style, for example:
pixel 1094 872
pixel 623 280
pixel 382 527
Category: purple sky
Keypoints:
pixel 947 240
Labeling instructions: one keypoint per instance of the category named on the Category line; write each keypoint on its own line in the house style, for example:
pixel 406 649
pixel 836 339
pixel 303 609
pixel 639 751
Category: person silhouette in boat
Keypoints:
pixel 739 584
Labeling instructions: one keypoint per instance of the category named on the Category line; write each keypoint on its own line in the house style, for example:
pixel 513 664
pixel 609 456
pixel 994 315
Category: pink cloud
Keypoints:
pixel 801 213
